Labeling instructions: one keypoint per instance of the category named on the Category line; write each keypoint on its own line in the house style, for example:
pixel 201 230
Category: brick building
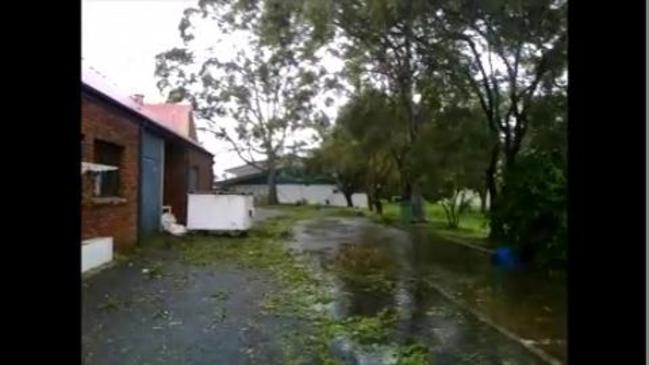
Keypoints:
pixel 138 158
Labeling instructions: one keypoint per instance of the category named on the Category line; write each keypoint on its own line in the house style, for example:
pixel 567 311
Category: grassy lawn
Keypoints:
pixel 474 226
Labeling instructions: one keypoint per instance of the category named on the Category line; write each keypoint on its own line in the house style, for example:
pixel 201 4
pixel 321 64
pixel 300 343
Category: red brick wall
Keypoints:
pixel 100 120
pixel 204 163
pixel 175 180
pixel 178 160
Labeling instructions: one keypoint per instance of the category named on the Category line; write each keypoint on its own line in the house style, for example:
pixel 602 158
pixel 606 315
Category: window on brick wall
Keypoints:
pixel 193 179
pixel 107 182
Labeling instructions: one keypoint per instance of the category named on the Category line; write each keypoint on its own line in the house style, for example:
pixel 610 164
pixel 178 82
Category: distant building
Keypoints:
pixel 293 186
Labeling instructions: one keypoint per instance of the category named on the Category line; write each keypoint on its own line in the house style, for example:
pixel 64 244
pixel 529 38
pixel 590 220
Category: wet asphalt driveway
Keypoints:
pixel 157 310
pixel 186 316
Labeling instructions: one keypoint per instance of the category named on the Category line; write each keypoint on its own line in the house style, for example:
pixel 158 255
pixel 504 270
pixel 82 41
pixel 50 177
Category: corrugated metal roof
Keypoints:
pixel 98 82
pixel 261 178
pixel 245 170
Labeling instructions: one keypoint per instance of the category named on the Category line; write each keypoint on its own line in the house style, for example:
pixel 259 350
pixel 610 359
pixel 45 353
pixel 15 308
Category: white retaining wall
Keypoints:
pixel 96 252
pixel 313 194
pixel 359 200
pixel 474 198
pixel 318 194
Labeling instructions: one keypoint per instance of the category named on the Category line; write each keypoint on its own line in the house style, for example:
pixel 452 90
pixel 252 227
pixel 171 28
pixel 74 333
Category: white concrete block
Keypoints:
pixel 96 252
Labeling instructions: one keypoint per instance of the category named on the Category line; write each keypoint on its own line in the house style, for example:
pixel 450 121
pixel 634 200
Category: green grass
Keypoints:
pixel 473 228
pixel 414 354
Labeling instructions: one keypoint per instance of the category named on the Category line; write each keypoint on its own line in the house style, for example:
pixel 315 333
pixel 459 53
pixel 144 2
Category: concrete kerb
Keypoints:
pixel 470 245
pixel 532 349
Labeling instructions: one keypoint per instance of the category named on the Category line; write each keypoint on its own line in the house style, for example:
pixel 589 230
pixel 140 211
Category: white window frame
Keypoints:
pixel 95 169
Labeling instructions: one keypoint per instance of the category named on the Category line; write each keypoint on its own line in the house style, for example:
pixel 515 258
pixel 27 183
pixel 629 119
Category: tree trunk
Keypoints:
pixel 417 205
pixel 272 185
pixel 405 189
pixel 495 231
pixel 458 198
pixel 463 206
pixel 510 158
pixel 482 193
pixel 376 200
pixel 411 191
pixel 448 211
pixel 370 199
pixel 379 206
pixel 348 198
pixel 453 216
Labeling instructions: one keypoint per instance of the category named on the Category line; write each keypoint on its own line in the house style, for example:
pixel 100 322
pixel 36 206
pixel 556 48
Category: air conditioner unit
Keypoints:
pixel 219 212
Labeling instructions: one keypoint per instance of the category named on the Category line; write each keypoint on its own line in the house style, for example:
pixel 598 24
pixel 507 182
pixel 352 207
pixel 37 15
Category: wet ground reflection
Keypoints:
pixel 379 268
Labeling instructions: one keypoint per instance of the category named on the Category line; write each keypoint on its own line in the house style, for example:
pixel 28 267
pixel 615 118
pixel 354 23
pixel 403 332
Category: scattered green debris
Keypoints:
pixel 120 258
pixel 154 271
pixel 162 314
pixel 369 330
pixel 220 295
pixel 219 315
pixel 298 348
pixel 365 267
pixel 301 294
pixel 110 304
pixel 414 354
pixel 362 259
pixel 182 282
pixel 441 311
pixel 286 234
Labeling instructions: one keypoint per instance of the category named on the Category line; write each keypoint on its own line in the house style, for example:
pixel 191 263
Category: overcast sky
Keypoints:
pixel 120 39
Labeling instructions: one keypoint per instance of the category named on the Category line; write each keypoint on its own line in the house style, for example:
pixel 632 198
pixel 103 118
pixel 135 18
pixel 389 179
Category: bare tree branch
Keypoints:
pixel 235 147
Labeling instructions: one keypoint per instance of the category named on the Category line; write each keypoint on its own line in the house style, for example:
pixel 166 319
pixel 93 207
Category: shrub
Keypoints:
pixel 532 207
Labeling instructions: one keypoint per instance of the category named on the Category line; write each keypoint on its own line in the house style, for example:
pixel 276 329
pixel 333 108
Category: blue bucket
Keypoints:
pixel 505 258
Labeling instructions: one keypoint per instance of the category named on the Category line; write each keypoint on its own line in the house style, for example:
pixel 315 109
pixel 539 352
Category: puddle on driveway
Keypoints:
pixel 380 267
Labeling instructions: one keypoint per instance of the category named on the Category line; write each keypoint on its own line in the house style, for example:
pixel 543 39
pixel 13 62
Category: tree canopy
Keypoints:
pixel 267 92
pixel 444 95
